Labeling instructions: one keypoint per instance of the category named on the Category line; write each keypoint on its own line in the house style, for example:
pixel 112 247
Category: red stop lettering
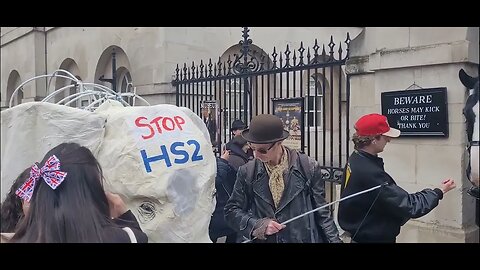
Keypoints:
pixel 159 124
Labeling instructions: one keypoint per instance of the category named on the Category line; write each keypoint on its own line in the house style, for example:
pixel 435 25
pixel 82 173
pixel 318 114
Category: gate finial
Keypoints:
pixel 242 63
pixel 245 43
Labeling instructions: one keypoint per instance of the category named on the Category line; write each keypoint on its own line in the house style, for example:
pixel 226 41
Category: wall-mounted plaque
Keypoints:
pixel 417 112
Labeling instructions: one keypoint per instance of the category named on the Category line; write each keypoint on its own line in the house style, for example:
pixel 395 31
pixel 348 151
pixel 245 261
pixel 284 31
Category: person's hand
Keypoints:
pixel 273 227
pixel 226 154
pixel 447 185
pixel 117 205
pixel 266 226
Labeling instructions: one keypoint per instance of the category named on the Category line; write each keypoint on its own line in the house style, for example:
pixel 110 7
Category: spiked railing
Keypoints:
pixel 250 60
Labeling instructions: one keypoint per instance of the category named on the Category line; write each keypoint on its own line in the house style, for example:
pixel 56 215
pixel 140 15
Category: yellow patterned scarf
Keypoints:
pixel 276 183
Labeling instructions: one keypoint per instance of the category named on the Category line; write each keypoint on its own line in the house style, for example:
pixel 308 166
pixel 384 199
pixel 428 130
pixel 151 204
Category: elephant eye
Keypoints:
pixel 147 207
pixel 146 211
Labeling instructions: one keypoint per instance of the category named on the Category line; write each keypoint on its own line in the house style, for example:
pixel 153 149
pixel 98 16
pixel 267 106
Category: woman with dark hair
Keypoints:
pixel 69 204
pixel 13 209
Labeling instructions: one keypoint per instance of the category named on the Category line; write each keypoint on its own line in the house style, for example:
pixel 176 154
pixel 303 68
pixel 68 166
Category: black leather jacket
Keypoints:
pixel 252 200
pixel 377 216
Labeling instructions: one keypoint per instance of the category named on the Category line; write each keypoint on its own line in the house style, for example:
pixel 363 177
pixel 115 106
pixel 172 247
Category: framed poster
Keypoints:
pixel 417 112
pixel 211 117
pixel 291 111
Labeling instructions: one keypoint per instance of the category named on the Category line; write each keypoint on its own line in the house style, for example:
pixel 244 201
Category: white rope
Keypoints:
pixel 323 206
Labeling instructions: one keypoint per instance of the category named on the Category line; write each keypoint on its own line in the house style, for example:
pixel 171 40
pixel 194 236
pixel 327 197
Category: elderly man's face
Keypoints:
pixel 264 152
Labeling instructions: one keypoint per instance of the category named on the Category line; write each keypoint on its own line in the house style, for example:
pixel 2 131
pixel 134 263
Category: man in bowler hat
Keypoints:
pixel 275 187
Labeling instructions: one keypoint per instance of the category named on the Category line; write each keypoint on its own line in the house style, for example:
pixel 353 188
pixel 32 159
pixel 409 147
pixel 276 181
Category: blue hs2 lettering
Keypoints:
pixel 177 150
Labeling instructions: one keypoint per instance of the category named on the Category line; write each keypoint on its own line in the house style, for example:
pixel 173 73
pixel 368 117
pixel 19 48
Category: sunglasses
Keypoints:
pixel 261 150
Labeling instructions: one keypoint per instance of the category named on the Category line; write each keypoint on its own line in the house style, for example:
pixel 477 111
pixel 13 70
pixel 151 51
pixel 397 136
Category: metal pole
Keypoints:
pixel 246 90
pixel 114 71
pixel 324 206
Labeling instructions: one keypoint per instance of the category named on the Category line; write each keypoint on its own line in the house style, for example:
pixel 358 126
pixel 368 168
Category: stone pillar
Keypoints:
pixel 391 59
pixel 39 62
pixel 23 50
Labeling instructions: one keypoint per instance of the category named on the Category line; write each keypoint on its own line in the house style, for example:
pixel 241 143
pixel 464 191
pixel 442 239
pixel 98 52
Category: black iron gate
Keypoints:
pixel 245 84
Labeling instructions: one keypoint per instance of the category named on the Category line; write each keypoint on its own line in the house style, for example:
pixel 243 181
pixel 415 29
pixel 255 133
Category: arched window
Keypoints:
pixel 116 58
pixel 233 90
pixel 314 100
pixel 235 107
pixel 13 82
pixel 125 84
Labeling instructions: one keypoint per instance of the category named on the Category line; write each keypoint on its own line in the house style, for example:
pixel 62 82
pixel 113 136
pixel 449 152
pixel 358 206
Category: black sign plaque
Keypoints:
pixel 417 112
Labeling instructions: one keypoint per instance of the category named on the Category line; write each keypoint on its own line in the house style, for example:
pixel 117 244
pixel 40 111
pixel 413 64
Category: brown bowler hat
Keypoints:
pixel 265 128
